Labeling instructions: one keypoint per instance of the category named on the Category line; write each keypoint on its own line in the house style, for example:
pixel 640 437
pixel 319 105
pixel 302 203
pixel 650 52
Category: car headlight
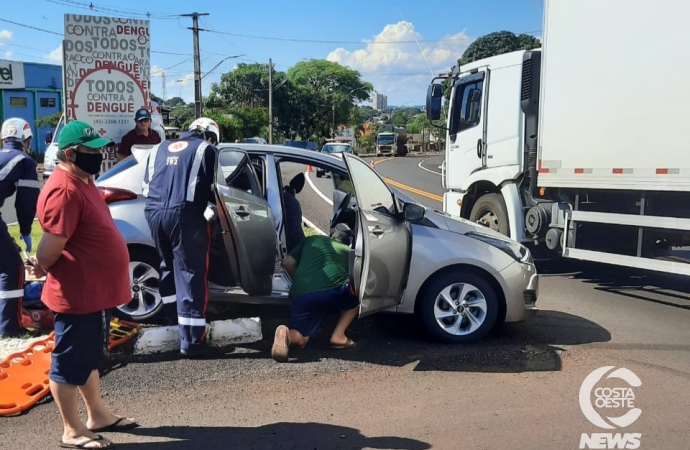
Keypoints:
pixel 512 248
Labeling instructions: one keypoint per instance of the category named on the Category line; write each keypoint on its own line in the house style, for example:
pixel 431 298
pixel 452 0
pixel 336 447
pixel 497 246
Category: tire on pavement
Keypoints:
pixel 140 260
pixel 431 304
pixel 494 207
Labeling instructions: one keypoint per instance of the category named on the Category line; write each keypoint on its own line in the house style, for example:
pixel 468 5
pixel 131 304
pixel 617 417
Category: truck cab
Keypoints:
pixel 485 160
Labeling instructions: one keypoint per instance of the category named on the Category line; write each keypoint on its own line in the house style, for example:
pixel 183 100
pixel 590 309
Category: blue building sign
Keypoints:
pixel 30 91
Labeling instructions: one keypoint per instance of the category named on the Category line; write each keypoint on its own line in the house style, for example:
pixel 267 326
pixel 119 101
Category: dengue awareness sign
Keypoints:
pixel 106 70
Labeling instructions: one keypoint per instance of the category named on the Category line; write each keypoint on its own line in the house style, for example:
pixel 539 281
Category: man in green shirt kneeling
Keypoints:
pixel 319 270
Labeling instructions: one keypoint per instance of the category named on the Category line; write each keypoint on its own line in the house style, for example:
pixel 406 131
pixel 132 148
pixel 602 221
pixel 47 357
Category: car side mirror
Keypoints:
pixel 413 212
pixel 49 137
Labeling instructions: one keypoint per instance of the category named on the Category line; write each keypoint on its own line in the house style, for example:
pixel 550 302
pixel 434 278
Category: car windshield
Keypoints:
pixel 336 148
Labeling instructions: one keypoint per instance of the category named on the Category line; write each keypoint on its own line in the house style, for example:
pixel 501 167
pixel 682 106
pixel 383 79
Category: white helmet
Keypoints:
pixel 204 124
pixel 16 128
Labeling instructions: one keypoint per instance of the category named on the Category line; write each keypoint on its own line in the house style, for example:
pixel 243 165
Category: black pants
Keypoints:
pixel 182 239
pixel 11 285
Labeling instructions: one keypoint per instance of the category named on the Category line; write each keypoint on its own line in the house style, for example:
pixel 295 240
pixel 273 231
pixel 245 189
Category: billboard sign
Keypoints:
pixel 106 70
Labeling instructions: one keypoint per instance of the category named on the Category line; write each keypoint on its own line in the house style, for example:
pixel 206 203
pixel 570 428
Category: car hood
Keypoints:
pixel 450 223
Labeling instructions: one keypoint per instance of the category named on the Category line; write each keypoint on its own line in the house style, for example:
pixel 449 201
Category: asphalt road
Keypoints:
pixel 397 390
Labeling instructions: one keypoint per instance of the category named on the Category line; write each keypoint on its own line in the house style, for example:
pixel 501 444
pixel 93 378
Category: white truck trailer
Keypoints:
pixel 582 146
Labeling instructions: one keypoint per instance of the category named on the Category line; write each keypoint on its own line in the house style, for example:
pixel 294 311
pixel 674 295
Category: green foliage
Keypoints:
pixel 48 121
pixel 489 45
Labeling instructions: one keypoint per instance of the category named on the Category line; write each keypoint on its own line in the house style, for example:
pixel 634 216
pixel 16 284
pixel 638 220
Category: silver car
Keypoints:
pixel 459 278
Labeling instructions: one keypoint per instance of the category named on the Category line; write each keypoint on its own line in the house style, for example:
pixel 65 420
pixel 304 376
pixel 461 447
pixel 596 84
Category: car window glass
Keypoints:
pixel 342 183
pixel 234 170
pixel 372 193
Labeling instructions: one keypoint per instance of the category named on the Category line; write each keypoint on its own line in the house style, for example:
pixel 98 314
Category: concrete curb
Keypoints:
pixel 220 333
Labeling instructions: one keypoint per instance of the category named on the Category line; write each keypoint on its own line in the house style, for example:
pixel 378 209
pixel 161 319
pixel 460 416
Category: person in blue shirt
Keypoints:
pixel 18 174
pixel 178 186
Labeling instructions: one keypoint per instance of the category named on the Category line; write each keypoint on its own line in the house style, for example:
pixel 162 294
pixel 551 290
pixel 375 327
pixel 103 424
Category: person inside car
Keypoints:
pixel 319 269
pixel 294 233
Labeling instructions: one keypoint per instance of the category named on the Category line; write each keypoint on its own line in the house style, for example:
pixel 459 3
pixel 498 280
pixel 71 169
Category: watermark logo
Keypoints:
pixel 612 399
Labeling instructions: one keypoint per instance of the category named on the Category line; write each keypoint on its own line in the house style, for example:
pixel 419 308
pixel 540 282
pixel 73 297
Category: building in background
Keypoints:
pixel 380 101
pixel 30 91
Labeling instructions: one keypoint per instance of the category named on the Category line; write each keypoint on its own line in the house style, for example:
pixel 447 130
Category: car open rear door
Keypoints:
pixel 247 222
pixel 383 241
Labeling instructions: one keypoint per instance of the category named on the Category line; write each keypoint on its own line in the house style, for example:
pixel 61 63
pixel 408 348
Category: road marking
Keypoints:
pixel 315 189
pixel 310 224
pixel 405 187
pixel 428 170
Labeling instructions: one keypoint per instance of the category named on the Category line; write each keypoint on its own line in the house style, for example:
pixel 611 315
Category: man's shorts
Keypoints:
pixel 307 311
pixel 80 344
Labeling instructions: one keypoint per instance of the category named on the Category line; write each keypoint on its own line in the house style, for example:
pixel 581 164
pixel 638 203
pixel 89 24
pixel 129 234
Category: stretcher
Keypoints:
pixel 24 375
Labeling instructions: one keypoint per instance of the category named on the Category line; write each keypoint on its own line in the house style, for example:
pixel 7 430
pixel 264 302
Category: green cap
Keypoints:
pixel 80 133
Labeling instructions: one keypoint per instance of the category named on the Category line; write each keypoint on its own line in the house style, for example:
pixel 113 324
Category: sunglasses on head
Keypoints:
pixel 145 120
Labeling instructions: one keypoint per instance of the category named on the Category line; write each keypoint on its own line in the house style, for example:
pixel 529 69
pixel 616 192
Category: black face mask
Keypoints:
pixel 88 162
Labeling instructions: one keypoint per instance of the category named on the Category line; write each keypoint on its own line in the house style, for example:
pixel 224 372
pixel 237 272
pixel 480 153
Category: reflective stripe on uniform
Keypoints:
pixel 191 322
pixel 194 172
pixel 29 183
pixel 169 299
pixel 152 165
pixel 10 165
pixel 11 294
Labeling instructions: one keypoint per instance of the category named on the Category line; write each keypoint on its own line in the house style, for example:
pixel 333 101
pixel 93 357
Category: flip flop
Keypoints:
pixel 115 426
pixel 348 344
pixel 85 443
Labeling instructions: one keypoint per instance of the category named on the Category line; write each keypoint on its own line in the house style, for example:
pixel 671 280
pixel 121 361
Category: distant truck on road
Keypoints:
pixel 582 146
pixel 385 143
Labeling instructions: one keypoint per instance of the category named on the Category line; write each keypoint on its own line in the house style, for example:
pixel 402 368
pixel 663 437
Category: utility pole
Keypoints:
pixel 270 101
pixel 197 62
pixel 165 96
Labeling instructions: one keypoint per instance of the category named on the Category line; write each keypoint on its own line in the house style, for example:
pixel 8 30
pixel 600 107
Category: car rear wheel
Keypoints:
pixel 459 307
pixel 144 275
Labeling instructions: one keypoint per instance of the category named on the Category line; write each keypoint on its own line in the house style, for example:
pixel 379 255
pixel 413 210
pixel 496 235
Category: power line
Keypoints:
pixel 60 34
pixel 115 11
pixel 320 41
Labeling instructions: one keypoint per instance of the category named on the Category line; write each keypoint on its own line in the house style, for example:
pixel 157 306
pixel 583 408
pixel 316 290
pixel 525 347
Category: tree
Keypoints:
pixel 333 90
pixel 497 43
pixel 492 44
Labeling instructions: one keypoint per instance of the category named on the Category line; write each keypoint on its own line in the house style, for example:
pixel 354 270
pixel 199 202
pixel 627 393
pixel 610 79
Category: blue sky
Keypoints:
pixel 363 35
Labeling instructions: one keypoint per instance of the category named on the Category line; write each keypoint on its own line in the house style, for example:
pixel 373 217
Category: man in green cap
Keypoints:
pixel 86 261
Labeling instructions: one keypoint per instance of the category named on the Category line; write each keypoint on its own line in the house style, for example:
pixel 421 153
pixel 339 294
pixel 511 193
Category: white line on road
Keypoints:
pixel 310 224
pixel 315 189
pixel 428 170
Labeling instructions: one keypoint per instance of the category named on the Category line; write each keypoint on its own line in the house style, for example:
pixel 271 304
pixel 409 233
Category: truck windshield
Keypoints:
pixel 386 139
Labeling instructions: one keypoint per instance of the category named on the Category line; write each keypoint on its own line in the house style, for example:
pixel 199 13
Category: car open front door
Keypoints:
pixel 382 243
pixel 247 222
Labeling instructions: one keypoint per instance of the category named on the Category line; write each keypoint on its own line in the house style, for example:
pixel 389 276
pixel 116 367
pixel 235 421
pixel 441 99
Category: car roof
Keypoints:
pixel 287 151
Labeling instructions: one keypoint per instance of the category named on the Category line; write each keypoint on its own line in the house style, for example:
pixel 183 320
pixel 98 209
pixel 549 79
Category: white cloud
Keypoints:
pixel 55 55
pixel 400 71
pixel 6 37
pixel 8 55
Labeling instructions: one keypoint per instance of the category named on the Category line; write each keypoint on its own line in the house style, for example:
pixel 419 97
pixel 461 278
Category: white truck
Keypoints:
pixel 581 146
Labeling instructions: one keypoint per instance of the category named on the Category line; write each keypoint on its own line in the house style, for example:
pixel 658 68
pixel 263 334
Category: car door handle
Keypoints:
pixel 242 212
pixel 479 148
pixel 377 230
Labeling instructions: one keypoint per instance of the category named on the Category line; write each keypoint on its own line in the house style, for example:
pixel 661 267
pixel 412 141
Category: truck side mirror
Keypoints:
pixel 434 97
pixel 49 137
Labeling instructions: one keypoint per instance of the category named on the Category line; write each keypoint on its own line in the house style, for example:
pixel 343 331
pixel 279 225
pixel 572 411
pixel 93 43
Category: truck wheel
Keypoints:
pixel 459 308
pixel 490 210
